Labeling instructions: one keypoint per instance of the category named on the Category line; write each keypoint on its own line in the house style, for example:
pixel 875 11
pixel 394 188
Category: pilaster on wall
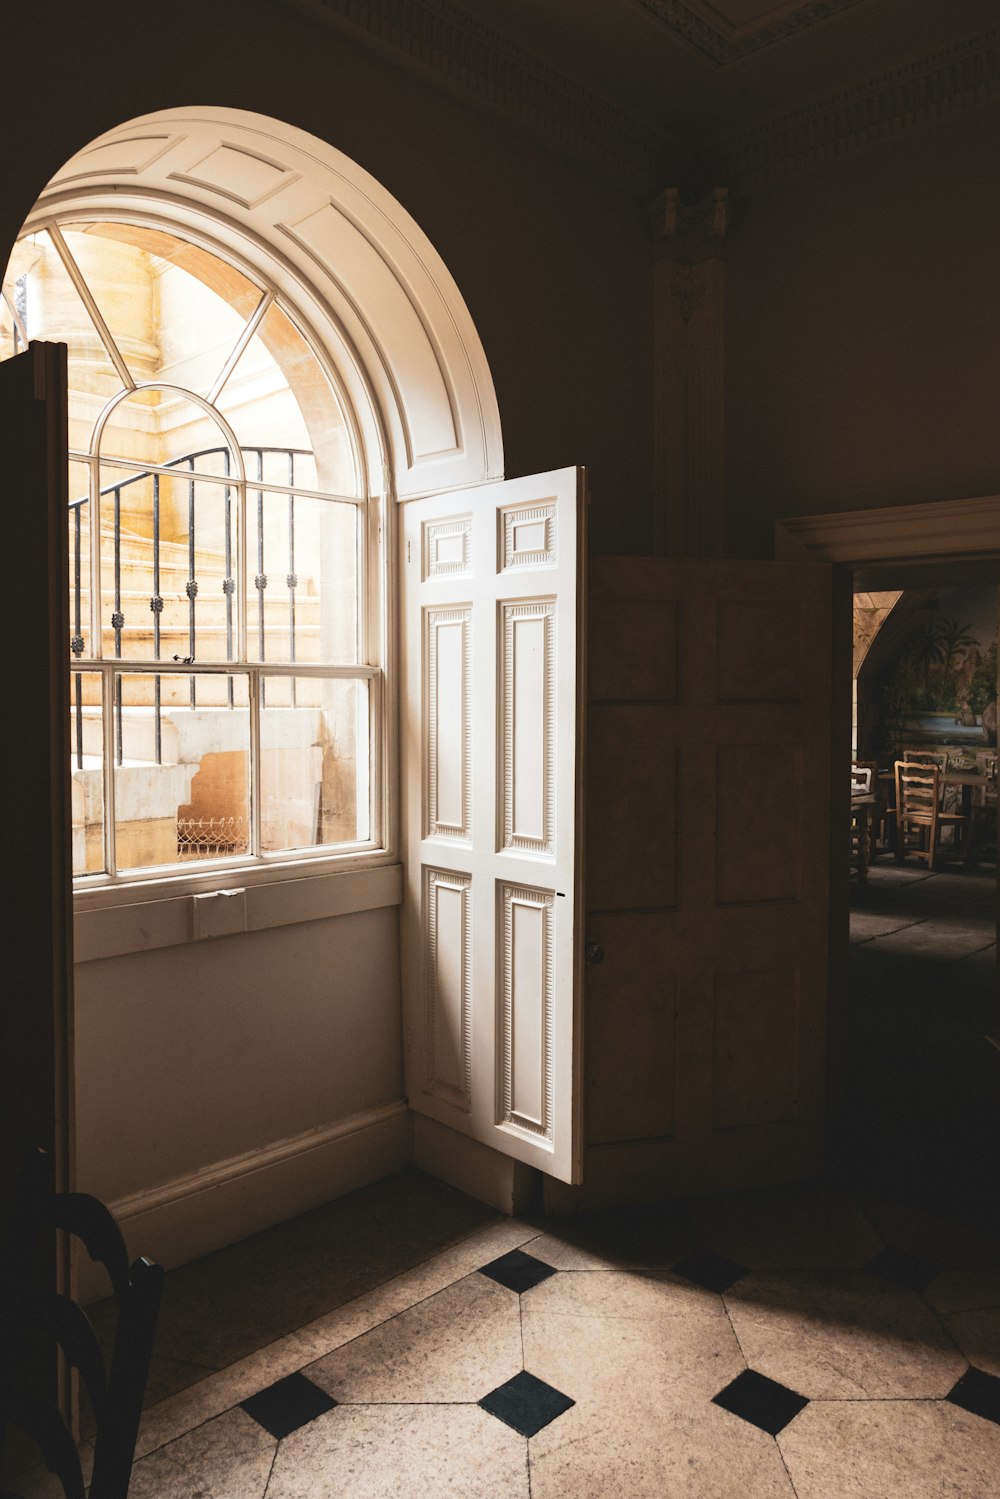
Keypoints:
pixel 689 305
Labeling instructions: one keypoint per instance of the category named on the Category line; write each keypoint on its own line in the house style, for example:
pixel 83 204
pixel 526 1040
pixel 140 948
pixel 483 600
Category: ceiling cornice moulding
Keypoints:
pixel 438 40
pixel 947 83
pixel 724 43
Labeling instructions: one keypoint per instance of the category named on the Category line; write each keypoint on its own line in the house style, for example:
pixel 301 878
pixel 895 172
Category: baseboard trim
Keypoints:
pixel 475 1169
pixel 191 1216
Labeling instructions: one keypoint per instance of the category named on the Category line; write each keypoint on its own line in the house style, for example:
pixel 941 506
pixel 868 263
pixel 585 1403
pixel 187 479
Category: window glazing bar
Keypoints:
pixel 93 311
pixel 253 323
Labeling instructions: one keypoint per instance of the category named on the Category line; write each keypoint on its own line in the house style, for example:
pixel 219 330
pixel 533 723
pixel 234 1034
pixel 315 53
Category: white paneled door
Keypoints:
pixel 492 670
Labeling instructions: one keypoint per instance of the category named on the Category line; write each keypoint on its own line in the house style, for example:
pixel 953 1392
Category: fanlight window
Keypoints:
pixel 223 696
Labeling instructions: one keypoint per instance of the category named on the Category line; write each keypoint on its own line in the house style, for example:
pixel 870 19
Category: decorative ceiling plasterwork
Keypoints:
pixel 438 39
pixel 962 77
pixel 725 43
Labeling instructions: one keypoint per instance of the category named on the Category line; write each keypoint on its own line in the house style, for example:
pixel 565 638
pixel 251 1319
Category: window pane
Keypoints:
pixel 38 284
pixel 79 560
pixel 10 340
pixel 302 583
pixel 86 737
pixel 314 736
pixel 171 544
pixel 279 396
pixel 182 768
pixel 175 311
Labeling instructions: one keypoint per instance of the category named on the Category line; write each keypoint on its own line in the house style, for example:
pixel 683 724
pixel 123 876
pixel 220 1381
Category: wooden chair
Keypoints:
pixel 30 1315
pixel 919 818
pixel 950 795
pixel 864 784
pixel 984 810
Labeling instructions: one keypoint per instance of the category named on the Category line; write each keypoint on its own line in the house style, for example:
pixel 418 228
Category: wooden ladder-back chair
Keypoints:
pixel 864 813
pixel 919 818
pixel 950 795
pixel 29 1314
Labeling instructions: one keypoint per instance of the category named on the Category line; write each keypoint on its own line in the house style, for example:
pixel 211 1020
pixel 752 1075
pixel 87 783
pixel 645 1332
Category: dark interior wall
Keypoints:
pixel 863 333
pixel 555 267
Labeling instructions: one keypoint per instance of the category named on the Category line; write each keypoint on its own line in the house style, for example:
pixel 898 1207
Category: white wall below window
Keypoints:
pixel 227 1084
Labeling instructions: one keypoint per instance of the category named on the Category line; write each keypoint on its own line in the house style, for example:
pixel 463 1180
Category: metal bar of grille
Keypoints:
pixel 156 605
pixel 292 579
pixel 191 587
pixel 78 684
pixel 117 622
pixel 261 579
pixel 228 582
pixel 76 644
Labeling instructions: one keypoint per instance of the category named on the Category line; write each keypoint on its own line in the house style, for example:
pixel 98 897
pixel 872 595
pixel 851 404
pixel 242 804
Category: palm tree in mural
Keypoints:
pixel 927 649
pixel 956 643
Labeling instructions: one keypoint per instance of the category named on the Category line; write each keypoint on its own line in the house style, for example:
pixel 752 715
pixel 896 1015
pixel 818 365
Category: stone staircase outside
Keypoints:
pixel 188 797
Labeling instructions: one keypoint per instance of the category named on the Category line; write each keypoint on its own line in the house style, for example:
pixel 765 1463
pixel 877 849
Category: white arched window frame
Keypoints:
pixel 377 306
pixel 240 664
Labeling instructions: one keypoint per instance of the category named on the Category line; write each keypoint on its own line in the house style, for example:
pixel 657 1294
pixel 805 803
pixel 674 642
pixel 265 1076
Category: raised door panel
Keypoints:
pixel 707 849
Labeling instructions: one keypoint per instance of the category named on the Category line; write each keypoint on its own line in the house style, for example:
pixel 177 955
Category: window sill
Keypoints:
pixel 162 919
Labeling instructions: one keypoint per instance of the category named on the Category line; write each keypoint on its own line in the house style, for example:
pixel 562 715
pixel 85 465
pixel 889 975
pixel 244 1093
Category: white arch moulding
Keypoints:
pixel 378 297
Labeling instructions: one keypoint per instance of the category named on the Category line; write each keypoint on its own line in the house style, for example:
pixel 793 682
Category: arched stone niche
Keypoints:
pixel 376 296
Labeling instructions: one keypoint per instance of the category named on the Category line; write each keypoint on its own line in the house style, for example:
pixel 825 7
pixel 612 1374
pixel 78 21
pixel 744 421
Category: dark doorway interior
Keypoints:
pixel 920 1120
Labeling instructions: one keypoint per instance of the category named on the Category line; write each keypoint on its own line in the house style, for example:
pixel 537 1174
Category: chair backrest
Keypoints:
pixel 861 779
pixel 917 791
pixel 31 1313
pixel 924 756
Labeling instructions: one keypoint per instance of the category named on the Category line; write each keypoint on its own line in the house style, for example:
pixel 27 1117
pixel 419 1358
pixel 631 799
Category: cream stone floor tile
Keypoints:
pixel 872 1449
pixel 39 1483
pixel 977 1334
pixel 649 1450
pixel 177 1414
pixel 964 1290
pixel 608 1337
pixel 338 1327
pixel 791 1228
pixel 646 1240
pixel 228 1458
pixel 940 1241
pixel 201 1402
pixel 563 1254
pixel 402 1452
pixel 842 1335
pixel 457 1345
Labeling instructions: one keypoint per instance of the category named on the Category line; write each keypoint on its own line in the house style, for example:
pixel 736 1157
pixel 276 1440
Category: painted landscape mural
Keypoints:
pixel 935 679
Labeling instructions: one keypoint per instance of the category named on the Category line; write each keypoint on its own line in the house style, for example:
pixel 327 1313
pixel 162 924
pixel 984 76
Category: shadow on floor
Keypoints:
pixel 921 1115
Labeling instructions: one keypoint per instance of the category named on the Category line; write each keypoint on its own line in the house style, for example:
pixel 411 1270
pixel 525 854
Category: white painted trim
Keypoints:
pixel 470 1166
pixel 950 529
pixel 140 926
pixel 181 1220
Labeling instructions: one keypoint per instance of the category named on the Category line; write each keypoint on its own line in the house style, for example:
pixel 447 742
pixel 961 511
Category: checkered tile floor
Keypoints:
pixel 794 1344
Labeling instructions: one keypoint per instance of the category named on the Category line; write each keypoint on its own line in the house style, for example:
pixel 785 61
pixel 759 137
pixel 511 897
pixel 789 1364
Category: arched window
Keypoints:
pixel 224 685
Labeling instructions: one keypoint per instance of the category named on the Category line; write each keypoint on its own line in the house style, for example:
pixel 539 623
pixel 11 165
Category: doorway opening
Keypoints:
pixel 921 1090
pixel 916 1121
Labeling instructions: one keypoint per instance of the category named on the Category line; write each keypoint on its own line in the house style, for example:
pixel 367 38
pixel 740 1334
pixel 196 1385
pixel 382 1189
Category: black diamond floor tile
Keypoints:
pixel 713 1272
pixel 517 1271
pixel 903 1269
pixel 526 1403
pixel 283 1407
pixel 761 1401
pixel 979 1393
